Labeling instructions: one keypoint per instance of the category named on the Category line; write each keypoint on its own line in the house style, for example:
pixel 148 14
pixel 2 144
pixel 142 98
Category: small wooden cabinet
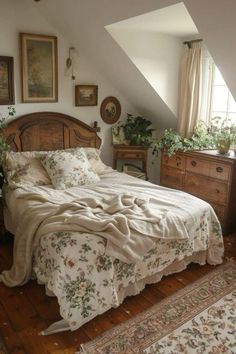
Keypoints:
pixel 207 175
pixel 128 152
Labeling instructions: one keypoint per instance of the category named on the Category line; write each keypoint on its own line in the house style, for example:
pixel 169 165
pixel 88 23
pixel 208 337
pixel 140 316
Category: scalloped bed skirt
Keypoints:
pixel 134 289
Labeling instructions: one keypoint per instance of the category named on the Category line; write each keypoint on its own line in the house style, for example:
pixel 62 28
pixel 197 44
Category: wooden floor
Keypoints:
pixel 25 311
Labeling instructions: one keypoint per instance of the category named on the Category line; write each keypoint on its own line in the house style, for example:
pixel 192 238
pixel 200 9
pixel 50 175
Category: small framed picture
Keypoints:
pixel 110 110
pixel 39 68
pixel 118 135
pixel 6 80
pixel 86 95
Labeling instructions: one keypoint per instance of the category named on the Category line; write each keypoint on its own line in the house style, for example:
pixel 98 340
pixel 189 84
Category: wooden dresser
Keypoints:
pixel 207 175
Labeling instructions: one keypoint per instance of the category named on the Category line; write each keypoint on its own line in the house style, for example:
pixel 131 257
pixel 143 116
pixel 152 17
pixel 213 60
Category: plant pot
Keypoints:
pixel 223 146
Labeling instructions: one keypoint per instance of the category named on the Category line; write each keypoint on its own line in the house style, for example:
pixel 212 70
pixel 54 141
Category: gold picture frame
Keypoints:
pixel 7 80
pixel 39 71
pixel 86 95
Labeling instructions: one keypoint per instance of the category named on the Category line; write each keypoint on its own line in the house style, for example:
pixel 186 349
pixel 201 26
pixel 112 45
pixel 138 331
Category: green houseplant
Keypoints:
pixel 220 135
pixel 223 132
pixel 137 130
pixel 3 145
pixel 171 141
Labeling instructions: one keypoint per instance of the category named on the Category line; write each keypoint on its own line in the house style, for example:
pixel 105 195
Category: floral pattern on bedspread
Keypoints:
pixel 87 282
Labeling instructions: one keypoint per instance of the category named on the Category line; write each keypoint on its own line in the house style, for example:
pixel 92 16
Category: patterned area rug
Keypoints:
pixel 201 318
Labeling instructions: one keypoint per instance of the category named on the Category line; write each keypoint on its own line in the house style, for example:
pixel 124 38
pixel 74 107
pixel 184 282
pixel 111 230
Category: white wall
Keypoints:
pixel 19 16
pixel 157 56
pixel 84 23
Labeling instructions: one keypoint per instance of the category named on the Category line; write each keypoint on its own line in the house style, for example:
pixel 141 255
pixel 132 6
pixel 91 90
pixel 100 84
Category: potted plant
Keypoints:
pixel 223 132
pixel 137 130
pixel 171 141
pixel 3 145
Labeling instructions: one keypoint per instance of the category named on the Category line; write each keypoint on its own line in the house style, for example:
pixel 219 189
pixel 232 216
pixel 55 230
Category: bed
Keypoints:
pixel 92 245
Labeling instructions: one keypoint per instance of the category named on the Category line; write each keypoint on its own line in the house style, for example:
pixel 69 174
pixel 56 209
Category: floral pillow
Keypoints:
pixel 68 169
pixel 24 168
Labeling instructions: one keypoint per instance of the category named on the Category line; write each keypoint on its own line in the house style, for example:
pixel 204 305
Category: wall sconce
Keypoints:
pixel 69 63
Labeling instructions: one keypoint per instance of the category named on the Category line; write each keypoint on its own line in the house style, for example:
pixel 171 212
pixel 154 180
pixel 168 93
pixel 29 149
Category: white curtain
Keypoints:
pixel 189 89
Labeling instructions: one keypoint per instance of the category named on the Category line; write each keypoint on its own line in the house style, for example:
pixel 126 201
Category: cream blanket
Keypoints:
pixel 127 222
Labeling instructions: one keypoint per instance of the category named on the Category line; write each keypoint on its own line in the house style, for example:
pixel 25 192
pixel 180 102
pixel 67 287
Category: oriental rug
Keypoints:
pixel 200 318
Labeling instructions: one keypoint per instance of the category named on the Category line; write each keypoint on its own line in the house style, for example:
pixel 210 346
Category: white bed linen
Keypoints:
pixel 76 268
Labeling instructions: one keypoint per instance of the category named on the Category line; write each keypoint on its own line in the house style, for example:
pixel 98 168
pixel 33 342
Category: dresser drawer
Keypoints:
pixel 172 177
pixel 177 161
pixel 220 211
pixel 208 168
pixel 206 188
pixel 130 155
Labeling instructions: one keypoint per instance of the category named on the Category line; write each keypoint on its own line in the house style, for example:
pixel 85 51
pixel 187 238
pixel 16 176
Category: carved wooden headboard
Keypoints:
pixel 49 131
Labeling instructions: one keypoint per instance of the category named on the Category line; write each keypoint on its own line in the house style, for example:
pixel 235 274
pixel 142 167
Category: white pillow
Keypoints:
pixel 24 169
pixel 95 161
pixel 68 168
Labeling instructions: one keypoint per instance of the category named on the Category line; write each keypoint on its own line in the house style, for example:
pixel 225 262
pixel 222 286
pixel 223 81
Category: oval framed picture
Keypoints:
pixel 110 110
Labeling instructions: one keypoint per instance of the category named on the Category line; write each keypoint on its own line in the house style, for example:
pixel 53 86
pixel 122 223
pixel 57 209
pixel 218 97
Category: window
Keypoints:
pixel 216 99
pixel 222 102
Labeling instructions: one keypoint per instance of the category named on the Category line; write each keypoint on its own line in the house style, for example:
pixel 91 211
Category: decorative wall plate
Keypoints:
pixel 110 110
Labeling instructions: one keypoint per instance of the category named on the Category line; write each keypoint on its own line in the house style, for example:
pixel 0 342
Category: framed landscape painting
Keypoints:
pixel 39 68
pixel 86 95
pixel 6 80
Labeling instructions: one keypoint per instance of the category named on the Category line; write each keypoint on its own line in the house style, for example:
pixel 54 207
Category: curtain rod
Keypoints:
pixel 189 43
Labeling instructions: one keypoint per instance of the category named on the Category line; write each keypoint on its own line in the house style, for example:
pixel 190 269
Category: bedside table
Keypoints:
pixel 131 152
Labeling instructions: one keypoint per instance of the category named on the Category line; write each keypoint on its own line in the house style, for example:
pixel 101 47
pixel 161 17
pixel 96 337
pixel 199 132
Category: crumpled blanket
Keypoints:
pixel 126 221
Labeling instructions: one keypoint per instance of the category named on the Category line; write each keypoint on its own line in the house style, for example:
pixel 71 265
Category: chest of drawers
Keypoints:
pixel 207 175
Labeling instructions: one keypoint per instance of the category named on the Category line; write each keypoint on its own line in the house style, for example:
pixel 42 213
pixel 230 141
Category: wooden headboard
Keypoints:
pixel 49 131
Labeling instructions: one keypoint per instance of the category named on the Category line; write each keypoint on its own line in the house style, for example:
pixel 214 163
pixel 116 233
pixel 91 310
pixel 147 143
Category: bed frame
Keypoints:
pixel 50 131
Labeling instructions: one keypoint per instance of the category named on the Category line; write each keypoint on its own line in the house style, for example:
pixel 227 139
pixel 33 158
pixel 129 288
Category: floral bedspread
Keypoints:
pixel 87 282
pixel 75 265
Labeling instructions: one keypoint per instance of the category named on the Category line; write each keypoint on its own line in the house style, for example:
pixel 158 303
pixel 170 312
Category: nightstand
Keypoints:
pixel 128 152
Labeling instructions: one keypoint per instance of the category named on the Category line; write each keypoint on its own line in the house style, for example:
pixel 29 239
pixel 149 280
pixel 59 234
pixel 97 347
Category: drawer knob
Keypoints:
pixel 178 161
pixel 219 169
pixel 217 191
pixel 193 163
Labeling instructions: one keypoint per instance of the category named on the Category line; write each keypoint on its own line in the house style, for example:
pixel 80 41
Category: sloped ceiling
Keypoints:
pixel 83 23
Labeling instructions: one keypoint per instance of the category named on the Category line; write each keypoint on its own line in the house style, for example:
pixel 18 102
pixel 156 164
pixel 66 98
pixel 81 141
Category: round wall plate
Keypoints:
pixel 110 110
